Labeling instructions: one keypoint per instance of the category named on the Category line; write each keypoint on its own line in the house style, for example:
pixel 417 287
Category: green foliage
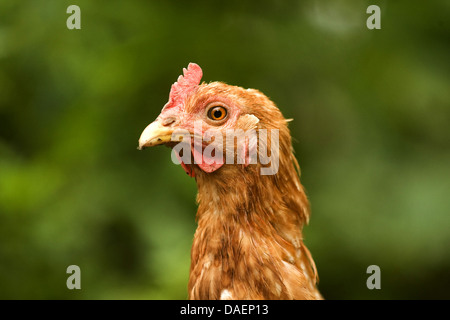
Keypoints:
pixel 371 116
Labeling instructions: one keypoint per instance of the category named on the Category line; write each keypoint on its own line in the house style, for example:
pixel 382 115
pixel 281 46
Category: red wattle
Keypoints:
pixel 205 163
pixel 186 168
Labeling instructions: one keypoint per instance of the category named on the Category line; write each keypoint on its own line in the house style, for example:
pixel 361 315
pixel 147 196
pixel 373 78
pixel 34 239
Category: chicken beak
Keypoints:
pixel 155 134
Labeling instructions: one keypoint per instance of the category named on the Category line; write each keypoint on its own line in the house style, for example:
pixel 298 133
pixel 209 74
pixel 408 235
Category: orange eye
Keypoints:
pixel 217 113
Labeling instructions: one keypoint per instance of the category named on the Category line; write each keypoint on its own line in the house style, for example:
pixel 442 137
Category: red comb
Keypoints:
pixel 185 85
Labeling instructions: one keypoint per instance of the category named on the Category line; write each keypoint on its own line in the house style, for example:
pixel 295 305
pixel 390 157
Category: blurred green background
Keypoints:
pixel 371 113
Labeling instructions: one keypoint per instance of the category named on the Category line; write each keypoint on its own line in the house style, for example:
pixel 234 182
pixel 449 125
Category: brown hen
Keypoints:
pixel 248 244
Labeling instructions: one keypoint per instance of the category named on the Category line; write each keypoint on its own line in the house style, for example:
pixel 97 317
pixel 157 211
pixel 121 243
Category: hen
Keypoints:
pixel 248 243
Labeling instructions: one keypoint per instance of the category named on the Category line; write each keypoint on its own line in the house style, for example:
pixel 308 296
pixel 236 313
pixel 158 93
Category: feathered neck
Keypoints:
pixel 248 244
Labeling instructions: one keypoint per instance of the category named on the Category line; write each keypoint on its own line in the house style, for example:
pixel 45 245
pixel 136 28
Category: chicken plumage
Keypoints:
pixel 248 243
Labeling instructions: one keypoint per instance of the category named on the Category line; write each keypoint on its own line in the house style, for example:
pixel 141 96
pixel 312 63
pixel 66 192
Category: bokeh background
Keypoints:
pixel 371 113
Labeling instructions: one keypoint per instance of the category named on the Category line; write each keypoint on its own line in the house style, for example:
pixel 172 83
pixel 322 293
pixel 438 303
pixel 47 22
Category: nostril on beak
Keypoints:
pixel 168 121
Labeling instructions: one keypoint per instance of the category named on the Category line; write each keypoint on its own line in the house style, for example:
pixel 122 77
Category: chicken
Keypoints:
pixel 248 243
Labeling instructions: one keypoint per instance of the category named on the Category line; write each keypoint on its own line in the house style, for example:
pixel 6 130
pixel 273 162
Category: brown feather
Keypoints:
pixel 249 236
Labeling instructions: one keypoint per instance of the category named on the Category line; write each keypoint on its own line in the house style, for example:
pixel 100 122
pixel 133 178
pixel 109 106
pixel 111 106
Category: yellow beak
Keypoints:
pixel 155 134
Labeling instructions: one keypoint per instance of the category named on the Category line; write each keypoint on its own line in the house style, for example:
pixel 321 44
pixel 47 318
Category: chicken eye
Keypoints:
pixel 217 113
